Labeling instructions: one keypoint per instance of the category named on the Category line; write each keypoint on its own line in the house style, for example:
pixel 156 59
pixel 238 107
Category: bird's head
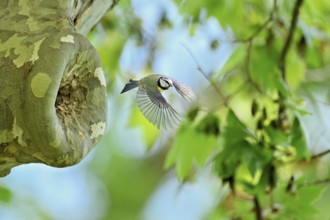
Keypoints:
pixel 164 83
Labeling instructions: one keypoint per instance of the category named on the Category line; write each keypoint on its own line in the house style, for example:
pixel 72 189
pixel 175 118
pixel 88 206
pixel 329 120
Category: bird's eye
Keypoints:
pixel 163 83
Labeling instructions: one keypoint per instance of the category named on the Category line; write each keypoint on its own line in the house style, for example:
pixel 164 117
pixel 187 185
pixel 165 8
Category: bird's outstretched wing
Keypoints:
pixel 156 109
pixel 184 91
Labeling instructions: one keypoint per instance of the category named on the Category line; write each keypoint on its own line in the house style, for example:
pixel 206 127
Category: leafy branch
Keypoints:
pixel 276 137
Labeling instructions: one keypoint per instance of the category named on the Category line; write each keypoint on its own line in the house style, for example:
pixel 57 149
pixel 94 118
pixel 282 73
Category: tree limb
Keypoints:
pixel 52 92
pixel 293 24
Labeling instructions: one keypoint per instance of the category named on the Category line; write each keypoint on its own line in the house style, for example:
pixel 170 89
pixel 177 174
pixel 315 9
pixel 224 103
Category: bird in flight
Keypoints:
pixel 151 102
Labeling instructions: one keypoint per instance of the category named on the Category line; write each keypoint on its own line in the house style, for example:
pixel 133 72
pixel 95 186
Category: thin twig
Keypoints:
pixel 288 41
pixel 199 68
pixel 314 183
pixel 247 67
pixel 248 58
pixel 257 208
pixel 317 156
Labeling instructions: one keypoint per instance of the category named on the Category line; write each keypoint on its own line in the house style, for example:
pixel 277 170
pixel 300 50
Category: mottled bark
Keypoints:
pixel 52 87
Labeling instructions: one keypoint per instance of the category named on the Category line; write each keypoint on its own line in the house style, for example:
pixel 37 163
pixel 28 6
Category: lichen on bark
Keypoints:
pixel 52 87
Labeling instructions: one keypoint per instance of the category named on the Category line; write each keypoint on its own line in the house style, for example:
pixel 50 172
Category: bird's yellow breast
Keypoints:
pixel 160 89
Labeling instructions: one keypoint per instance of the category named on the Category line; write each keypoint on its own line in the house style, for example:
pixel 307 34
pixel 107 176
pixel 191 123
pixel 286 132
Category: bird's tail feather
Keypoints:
pixel 131 85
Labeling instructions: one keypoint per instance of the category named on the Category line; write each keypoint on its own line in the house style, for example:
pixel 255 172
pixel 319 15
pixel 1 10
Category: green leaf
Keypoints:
pixel 264 69
pixel 295 71
pixel 192 145
pixel 267 180
pixel 5 195
pixel 299 205
pixel 299 141
pixel 209 125
pixel 234 146
pixel 313 57
pixel 276 136
pixel 241 156
pixel 235 60
pixel 193 113
pixel 229 159
pixel 235 128
pixel 256 158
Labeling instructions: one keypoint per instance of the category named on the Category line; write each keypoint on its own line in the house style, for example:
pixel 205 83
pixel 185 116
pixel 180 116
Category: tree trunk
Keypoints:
pixel 52 88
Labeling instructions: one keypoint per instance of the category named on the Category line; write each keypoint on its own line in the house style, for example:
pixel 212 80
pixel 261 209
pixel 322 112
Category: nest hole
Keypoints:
pixel 70 97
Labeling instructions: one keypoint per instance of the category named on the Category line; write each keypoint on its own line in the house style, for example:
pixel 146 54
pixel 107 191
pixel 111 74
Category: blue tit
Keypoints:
pixel 151 102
